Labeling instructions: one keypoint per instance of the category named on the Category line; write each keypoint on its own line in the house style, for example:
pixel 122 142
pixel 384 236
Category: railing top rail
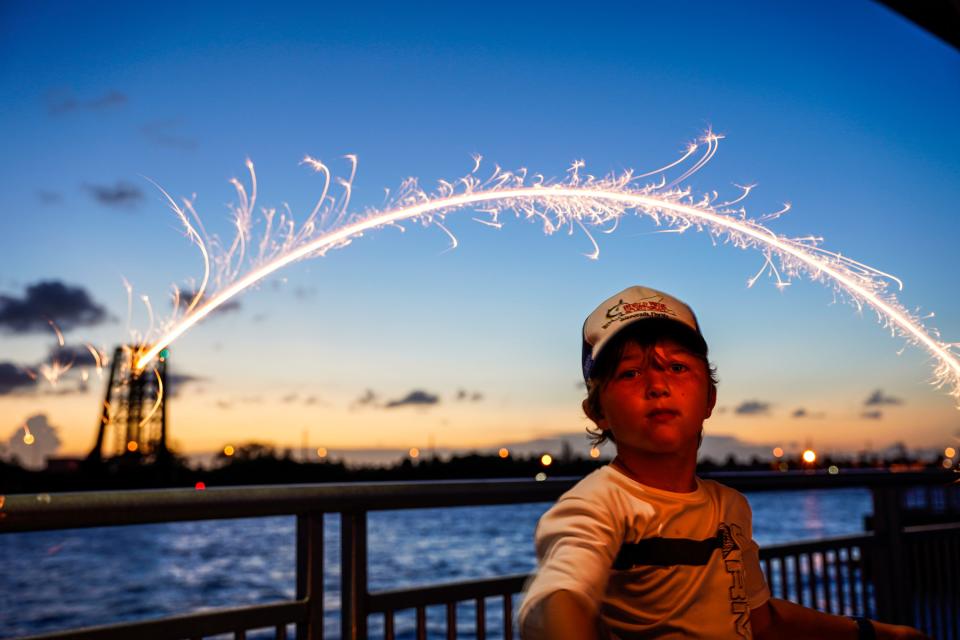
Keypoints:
pixel 34 512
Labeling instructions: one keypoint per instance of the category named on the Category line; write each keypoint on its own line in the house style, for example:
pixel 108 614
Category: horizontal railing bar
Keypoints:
pixel 820 544
pixel 190 625
pixel 36 512
pixel 921 529
pixel 396 599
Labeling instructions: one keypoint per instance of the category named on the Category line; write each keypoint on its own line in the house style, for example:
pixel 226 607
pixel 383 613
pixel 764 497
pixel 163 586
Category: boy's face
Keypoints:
pixel 657 400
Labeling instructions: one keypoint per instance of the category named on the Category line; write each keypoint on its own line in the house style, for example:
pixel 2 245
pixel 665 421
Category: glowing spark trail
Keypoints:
pixel 580 201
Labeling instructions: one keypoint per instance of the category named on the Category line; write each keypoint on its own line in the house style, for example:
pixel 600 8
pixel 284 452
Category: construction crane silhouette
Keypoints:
pixel 133 419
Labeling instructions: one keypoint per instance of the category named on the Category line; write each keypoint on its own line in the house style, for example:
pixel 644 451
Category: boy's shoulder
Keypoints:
pixel 607 483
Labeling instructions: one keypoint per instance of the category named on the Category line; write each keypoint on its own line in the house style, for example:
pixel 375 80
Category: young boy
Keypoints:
pixel 643 548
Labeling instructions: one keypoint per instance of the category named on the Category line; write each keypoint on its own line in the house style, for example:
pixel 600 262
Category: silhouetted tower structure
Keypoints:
pixel 133 421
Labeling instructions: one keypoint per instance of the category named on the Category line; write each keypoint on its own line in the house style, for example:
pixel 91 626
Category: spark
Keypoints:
pixel 57 331
pixel 581 201
pixel 98 358
pixel 54 371
pixel 156 405
pixel 28 438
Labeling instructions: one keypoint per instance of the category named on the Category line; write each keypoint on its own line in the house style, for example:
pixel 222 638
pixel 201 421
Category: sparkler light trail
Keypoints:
pixel 578 202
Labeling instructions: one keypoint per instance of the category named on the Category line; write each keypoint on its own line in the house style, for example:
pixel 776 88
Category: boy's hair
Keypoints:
pixel 645 335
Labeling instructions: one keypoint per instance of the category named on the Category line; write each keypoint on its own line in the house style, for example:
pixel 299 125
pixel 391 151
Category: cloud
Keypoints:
pixel 872 415
pixel 175 381
pixel 49 197
pixel 43 442
pixel 877 398
pixel 12 378
pixel 290 397
pixel 186 297
pixel 80 356
pixel 304 293
pixel 121 195
pixel 803 413
pixel 752 408
pixel 63 101
pixel 164 133
pixel 47 300
pixel 468 396
pixel 368 399
pixel 416 397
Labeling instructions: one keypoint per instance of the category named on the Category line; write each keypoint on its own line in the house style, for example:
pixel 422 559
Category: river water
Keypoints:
pixel 55 580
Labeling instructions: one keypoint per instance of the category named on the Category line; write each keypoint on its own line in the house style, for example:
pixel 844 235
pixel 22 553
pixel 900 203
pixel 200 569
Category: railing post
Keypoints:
pixel 310 573
pixel 353 575
pixel 889 575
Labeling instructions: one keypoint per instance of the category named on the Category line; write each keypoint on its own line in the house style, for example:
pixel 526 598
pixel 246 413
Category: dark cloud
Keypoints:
pixel 416 397
pixel 41 443
pixel 80 356
pixel 176 381
pixel 186 297
pixel 48 300
pixel 12 378
pixel 878 398
pixel 121 195
pixel 164 133
pixel 468 396
pixel 752 408
pixel 803 413
pixel 63 101
pixel 876 414
pixel 368 399
pixel 49 197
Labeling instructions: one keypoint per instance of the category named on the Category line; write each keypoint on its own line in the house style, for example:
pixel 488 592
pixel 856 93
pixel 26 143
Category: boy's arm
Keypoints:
pixel 784 619
pixel 561 616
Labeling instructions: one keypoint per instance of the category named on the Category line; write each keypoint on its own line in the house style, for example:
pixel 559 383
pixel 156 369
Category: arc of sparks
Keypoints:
pixel 587 201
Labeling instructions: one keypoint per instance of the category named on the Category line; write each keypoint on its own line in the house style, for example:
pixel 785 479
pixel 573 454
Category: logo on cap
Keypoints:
pixel 650 306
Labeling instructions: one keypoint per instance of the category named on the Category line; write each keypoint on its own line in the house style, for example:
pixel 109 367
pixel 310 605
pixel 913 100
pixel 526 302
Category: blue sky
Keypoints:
pixel 846 111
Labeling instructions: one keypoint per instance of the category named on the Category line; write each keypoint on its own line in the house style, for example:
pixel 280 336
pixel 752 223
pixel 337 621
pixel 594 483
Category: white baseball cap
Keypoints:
pixel 626 308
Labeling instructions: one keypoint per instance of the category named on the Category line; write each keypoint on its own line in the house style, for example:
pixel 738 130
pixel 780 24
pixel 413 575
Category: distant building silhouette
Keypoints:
pixel 133 421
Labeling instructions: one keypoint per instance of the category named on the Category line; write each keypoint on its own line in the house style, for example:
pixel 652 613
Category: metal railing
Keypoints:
pixel 896 573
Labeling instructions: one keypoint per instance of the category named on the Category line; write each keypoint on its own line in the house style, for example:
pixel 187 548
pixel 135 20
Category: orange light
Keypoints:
pixel 228 450
pixel 809 456
pixel 546 459
pixel 594 452
pixel 322 452
pixel 200 486
pixel 949 452
pixel 28 438
pixel 777 452
pixel 504 452
pixel 132 446
pixel 414 452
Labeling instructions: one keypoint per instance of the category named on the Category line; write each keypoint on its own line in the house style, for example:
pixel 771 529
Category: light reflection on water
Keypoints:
pixel 53 580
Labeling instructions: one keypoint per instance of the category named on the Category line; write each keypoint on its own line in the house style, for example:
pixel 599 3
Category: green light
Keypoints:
pixel 164 354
